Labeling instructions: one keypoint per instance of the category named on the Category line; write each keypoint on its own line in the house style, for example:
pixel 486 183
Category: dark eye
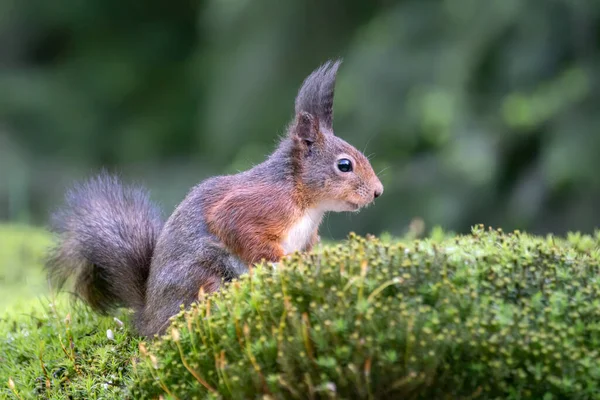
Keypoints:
pixel 344 165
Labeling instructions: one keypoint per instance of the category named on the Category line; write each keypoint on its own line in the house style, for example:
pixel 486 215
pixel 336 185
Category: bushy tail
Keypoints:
pixel 106 236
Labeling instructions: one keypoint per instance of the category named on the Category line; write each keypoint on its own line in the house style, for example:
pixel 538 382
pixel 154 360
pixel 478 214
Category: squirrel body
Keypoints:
pixel 113 242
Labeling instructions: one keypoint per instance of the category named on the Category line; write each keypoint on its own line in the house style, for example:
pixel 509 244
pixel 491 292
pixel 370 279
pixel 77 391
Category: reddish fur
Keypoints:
pixel 252 225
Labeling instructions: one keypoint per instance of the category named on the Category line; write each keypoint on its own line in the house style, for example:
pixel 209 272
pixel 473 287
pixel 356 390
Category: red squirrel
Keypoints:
pixel 112 240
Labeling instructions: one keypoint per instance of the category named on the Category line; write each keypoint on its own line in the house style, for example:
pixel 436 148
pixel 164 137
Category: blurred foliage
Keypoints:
pixel 22 251
pixel 473 111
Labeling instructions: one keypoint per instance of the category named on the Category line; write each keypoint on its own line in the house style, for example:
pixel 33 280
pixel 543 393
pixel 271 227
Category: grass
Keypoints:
pixel 485 315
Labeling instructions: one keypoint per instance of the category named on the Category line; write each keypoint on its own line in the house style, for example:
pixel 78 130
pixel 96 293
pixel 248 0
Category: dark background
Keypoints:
pixel 474 111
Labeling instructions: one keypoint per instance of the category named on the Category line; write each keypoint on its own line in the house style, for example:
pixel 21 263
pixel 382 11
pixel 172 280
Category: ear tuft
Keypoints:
pixel 316 94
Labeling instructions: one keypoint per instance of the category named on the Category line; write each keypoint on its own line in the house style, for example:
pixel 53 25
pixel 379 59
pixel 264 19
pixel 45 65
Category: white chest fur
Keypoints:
pixel 301 232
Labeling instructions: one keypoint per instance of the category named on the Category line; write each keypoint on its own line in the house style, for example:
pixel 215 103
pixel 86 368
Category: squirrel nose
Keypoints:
pixel 378 191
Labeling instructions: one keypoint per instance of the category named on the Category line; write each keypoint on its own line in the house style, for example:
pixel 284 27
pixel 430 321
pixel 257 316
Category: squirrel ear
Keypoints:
pixel 306 127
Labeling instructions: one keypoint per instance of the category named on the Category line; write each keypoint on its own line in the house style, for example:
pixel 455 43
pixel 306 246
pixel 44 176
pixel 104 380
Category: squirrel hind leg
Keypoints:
pixel 175 282
pixel 155 318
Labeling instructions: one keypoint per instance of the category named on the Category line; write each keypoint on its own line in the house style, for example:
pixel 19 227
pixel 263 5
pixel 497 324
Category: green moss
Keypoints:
pixel 57 350
pixel 487 315
pixel 51 348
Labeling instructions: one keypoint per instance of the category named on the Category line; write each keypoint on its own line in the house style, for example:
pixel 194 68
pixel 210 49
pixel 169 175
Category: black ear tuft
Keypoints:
pixel 316 94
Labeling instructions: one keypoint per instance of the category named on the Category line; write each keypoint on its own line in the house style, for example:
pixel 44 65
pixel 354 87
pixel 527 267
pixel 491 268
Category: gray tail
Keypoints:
pixel 106 237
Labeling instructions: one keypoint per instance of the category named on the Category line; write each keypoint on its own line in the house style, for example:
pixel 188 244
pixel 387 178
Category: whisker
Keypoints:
pixel 384 169
pixel 368 141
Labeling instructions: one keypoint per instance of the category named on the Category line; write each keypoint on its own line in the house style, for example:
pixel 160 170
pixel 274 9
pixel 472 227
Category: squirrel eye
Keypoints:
pixel 344 165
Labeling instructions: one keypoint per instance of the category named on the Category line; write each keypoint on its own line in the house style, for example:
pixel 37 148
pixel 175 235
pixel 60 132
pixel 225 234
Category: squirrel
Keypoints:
pixel 113 243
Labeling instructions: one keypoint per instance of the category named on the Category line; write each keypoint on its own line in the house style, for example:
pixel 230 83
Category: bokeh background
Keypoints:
pixel 474 111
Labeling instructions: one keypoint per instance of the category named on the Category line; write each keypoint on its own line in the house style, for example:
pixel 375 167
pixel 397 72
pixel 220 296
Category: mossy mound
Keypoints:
pixel 487 315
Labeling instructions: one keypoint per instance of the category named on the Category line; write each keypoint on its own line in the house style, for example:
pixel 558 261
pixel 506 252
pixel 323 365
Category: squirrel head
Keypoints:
pixel 337 176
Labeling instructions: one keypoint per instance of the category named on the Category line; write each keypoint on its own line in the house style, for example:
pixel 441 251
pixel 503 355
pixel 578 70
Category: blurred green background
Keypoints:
pixel 474 111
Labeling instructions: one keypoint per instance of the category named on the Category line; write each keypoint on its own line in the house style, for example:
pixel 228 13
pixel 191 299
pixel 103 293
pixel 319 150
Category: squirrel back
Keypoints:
pixel 114 244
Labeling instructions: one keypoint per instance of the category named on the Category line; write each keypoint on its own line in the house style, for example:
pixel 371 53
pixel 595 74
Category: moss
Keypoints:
pixel 52 348
pixel 488 315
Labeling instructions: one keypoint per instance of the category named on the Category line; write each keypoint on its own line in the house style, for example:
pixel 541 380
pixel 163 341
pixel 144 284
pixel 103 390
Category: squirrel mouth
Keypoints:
pixel 353 206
